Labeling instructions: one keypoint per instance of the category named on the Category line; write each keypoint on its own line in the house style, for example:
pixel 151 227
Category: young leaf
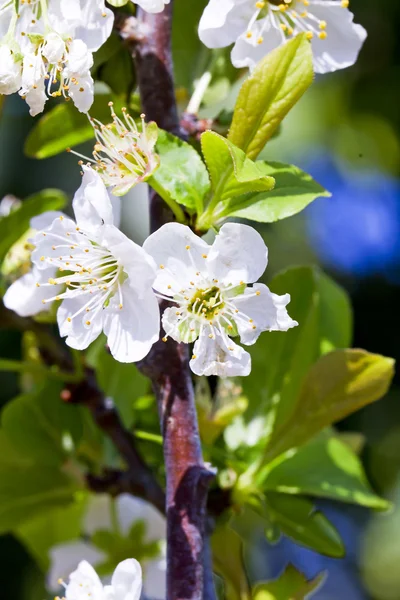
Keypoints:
pixel 290 584
pixel 232 173
pixel 340 383
pixel 14 225
pixel 325 467
pixel 298 519
pixel 280 361
pixel 294 190
pixel 63 127
pixel 182 175
pixel 274 87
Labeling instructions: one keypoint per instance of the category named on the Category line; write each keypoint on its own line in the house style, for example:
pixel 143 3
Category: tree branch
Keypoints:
pixel 189 574
pixel 138 479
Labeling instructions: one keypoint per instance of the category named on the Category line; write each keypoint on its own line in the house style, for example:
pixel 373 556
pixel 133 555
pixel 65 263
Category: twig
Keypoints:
pixel 189 574
pixel 138 479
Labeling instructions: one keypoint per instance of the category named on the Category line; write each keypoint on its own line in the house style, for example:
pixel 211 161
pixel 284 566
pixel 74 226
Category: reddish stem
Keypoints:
pixel 189 575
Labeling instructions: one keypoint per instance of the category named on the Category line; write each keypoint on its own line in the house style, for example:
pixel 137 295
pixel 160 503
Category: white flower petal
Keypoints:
pixel 178 253
pixel 25 297
pixel 137 264
pixel 152 6
pixel 79 335
pixel 238 254
pixel 36 99
pixel 97 24
pixel 44 220
pixel 54 47
pixel 80 59
pixel 247 52
pixel 344 38
pixel 65 558
pixel 91 203
pixel 131 509
pixel 223 21
pixel 44 241
pixel 10 72
pixel 127 580
pixel 84 577
pixel 267 312
pixel 219 356
pixel 132 330
pixel 82 92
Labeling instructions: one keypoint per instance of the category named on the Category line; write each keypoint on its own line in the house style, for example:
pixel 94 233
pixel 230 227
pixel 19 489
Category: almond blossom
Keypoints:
pixel 85 584
pixel 212 302
pixel 107 281
pixel 257 27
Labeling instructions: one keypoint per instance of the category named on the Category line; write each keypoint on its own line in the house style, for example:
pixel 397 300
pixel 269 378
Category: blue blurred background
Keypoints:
pixel 346 133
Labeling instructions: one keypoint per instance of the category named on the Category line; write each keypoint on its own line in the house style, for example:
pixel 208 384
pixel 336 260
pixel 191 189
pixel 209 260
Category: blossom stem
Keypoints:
pixel 189 573
pixel 198 94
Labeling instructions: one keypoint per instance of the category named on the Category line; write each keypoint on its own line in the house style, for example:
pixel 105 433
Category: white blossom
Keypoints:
pixel 123 154
pixel 85 584
pixel 207 285
pixel 107 285
pixel 257 27
pixel 24 296
pixel 10 70
pixel 55 41
pixel 65 557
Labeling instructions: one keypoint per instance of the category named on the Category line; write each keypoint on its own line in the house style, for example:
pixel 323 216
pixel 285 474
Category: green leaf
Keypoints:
pixel 294 190
pixel 340 383
pixel 14 225
pixel 230 565
pixel 280 360
pixel 41 426
pixel 291 584
pixel 232 173
pixel 37 435
pixel 298 519
pixel 274 87
pixel 26 490
pixel 325 467
pixel 189 54
pixel 56 526
pixel 123 382
pixel 64 126
pixel 118 73
pixel 182 175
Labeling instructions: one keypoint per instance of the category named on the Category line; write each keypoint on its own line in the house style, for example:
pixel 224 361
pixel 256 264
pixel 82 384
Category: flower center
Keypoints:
pixel 92 272
pixel 206 303
pixel 122 153
pixel 290 16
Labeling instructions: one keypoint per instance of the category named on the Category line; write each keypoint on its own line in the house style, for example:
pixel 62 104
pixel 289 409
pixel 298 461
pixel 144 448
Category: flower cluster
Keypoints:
pixel 105 282
pixel 46 48
pixel 257 27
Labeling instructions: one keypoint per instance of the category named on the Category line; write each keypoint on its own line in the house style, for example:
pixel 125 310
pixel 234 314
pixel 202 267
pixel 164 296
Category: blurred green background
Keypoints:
pixel 346 133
